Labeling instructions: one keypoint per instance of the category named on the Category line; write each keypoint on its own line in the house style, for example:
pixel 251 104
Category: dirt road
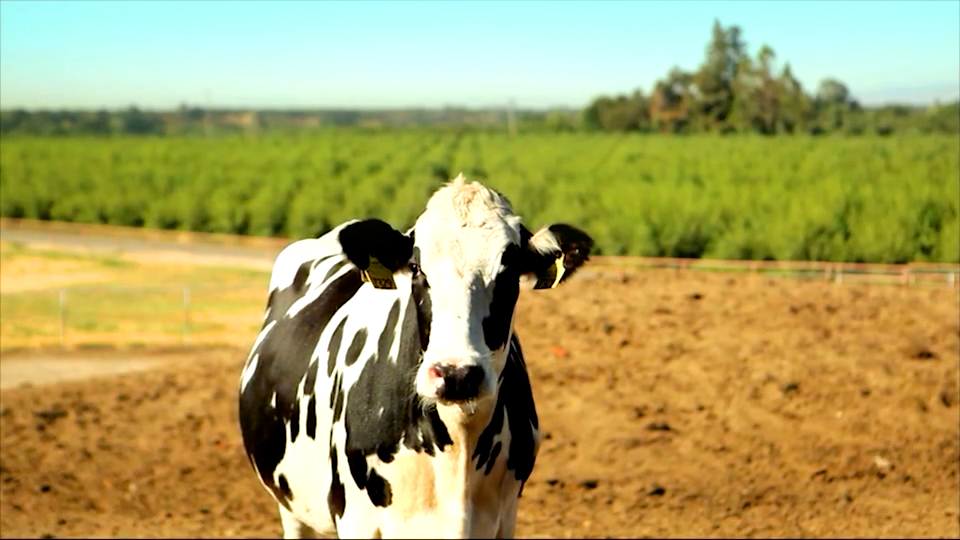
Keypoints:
pixel 691 405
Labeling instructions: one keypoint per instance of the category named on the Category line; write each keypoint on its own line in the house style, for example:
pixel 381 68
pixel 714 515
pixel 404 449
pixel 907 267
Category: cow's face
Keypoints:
pixel 466 262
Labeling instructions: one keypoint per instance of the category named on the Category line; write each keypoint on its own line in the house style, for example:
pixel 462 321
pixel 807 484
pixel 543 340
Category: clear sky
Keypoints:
pixel 159 54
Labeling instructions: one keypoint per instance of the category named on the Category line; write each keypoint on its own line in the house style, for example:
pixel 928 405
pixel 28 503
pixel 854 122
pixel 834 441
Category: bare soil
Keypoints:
pixel 675 405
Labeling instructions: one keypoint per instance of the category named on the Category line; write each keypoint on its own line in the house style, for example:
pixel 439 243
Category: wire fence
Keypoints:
pixel 192 315
pixel 89 314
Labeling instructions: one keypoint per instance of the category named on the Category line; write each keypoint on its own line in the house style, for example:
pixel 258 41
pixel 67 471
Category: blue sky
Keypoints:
pixel 363 54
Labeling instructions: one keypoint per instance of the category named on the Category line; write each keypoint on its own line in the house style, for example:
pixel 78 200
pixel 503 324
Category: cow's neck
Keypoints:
pixel 453 467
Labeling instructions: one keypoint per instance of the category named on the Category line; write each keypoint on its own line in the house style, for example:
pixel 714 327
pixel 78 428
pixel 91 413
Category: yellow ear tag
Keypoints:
pixel 378 275
pixel 551 276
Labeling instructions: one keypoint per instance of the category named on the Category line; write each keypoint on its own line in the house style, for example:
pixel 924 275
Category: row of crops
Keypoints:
pixel 785 198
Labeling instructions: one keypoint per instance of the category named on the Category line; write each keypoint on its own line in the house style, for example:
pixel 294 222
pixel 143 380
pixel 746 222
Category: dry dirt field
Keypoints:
pixel 674 405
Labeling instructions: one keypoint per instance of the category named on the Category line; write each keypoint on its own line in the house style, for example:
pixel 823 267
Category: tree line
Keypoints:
pixel 732 91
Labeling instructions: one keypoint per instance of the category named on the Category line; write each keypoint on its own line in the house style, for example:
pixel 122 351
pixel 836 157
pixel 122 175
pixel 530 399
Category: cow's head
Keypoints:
pixel 465 260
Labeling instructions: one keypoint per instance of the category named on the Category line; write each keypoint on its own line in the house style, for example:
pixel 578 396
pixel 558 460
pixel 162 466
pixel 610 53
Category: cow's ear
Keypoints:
pixel 377 249
pixel 555 253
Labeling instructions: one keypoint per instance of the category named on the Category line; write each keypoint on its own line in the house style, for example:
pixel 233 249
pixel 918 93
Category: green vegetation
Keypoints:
pixel 859 199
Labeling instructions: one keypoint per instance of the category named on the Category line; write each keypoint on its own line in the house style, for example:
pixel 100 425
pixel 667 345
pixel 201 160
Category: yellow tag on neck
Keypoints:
pixel 378 275
pixel 551 276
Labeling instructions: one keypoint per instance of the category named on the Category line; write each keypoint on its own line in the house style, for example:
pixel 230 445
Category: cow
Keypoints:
pixel 386 394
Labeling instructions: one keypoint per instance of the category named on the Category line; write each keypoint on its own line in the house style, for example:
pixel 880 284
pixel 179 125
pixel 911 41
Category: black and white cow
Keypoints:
pixel 386 395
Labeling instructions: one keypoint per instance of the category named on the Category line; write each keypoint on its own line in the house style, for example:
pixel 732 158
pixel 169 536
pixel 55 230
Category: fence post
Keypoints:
pixel 186 314
pixel 63 317
pixel 838 279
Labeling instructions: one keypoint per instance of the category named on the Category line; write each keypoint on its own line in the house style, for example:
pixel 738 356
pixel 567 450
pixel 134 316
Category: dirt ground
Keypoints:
pixel 690 405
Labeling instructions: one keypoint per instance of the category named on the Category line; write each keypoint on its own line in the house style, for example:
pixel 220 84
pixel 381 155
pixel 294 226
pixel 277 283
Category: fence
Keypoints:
pixel 903 274
pixel 191 315
pixel 198 314
pixel 159 315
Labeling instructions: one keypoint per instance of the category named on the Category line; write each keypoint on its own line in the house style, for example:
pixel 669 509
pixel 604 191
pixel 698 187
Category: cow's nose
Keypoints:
pixel 458 382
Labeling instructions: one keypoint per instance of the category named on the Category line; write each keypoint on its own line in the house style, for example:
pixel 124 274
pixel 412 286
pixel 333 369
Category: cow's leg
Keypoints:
pixel 508 520
pixel 293 527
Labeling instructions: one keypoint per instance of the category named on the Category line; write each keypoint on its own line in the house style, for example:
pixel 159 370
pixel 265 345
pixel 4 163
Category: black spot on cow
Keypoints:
pixel 421 296
pixel 312 417
pixel 420 288
pixel 379 490
pixel 516 398
pixel 336 498
pixel 367 478
pixel 353 352
pixel 334 348
pixel 295 421
pixel 506 290
pixel 333 388
pixel 300 278
pixel 389 330
pixel 285 488
pixel 338 401
pixel 284 356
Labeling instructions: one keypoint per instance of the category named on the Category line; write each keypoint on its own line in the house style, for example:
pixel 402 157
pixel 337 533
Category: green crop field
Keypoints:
pixel 864 199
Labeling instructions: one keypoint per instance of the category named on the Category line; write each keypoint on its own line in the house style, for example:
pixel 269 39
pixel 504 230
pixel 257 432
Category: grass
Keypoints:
pixel 113 299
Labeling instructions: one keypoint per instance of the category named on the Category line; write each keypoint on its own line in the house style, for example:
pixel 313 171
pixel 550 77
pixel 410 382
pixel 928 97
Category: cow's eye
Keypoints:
pixel 414 269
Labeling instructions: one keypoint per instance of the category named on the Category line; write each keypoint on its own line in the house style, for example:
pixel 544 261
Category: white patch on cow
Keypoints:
pixel 248 371
pixel 309 482
pixel 289 260
pixel 461 236
pixel 273 401
pixel 315 282
pixel 251 367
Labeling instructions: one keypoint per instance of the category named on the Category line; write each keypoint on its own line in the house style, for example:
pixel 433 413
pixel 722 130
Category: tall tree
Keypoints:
pixel 715 78
pixel 795 105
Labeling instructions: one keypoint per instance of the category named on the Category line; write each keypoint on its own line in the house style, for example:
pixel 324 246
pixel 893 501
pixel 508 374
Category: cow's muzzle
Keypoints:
pixel 457 382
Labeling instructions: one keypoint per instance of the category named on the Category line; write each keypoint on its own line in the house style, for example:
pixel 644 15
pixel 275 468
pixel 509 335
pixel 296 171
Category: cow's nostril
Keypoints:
pixel 460 383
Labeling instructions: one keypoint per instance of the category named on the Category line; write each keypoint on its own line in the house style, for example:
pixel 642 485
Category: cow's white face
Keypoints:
pixel 466 255
pixel 465 264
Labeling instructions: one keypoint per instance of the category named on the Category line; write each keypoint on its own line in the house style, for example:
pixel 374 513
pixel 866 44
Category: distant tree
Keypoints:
pixel 620 113
pixel 670 104
pixel 12 121
pixel 832 92
pixel 835 106
pixel 137 122
pixel 95 123
pixel 795 106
